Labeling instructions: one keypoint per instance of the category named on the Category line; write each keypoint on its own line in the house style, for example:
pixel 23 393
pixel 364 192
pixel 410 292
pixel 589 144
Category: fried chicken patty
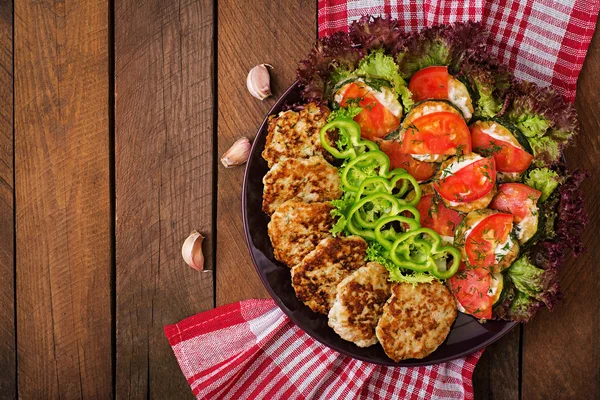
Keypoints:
pixel 296 228
pixel 315 279
pixel 296 134
pixel 416 320
pixel 359 304
pixel 307 179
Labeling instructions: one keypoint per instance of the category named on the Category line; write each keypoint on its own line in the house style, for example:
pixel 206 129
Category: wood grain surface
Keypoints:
pixel 62 186
pixel 561 349
pixel 8 357
pixel 249 36
pixel 164 159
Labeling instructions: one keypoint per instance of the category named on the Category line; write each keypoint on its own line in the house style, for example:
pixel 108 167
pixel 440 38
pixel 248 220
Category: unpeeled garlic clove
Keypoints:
pixel 192 251
pixel 259 81
pixel 237 154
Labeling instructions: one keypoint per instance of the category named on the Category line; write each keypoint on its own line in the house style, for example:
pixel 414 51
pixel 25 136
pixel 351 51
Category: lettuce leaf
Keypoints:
pixel 374 33
pixel 333 55
pixel 527 288
pixel 546 119
pixel 379 66
pixel 441 45
pixel 543 179
pixel 490 83
pixel 376 253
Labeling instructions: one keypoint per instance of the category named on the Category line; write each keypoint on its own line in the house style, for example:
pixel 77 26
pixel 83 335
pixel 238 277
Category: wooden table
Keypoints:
pixel 113 116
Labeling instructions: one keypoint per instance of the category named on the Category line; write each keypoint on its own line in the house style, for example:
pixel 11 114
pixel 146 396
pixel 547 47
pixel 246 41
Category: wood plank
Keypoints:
pixel 8 379
pixel 164 159
pixel 249 36
pixel 561 350
pixel 496 375
pixel 62 199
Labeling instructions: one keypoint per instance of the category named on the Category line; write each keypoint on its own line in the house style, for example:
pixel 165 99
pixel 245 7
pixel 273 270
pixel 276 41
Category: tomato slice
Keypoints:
pixel 471 290
pixel 435 215
pixel 469 183
pixel 430 83
pixel 517 199
pixel 437 133
pixel 509 158
pixel 375 119
pixel 420 170
pixel 481 242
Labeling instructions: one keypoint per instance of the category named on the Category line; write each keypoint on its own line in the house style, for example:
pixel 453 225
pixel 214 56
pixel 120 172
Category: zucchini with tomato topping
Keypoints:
pixel 381 110
pixel 486 241
pixel 490 138
pixel 434 131
pixel 475 293
pixel 466 183
pixel 519 200
pixel 435 215
pixel 421 170
pixel 436 83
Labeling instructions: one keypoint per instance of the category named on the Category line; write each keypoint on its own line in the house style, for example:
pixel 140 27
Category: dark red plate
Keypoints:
pixel 467 335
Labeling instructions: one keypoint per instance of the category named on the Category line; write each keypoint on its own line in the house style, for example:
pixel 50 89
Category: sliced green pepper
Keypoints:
pixel 349 139
pixel 410 251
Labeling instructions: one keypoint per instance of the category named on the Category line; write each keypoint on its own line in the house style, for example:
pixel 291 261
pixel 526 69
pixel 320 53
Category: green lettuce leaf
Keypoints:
pixel 543 179
pixel 380 66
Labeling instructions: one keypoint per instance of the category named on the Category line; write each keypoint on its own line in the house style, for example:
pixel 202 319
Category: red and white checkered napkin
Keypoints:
pixel 542 41
pixel 251 350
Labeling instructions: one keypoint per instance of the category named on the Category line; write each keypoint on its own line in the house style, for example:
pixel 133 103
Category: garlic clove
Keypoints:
pixel 192 251
pixel 259 81
pixel 237 154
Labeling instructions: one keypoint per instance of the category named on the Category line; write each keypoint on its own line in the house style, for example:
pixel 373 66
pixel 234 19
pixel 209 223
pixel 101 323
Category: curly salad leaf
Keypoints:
pixel 441 45
pixel 543 179
pixel 379 66
pixel 546 119
pixel 527 288
pixel 490 82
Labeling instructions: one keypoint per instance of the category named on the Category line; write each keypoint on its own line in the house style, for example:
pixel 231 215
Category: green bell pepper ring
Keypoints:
pixel 377 160
pixel 429 253
pixel 350 131
pixel 360 226
pixel 387 237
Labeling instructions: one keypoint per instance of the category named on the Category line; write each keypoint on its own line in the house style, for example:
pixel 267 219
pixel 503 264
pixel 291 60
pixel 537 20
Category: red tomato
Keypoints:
pixel 481 242
pixel 516 199
pixel 437 133
pixel 509 158
pixel 375 119
pixel 420 170
pixel 430 83
pixel 470 289
pixel 469 183
pixel 435 215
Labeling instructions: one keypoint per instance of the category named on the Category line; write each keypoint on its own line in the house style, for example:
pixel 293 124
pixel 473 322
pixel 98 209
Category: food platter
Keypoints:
pixel 466 336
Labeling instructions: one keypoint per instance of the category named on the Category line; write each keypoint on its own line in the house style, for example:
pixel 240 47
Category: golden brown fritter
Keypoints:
pixel 296 134
pixel 416 320
pixel 296 228
pixel 315 279
pixel 359 304
pixel 306 179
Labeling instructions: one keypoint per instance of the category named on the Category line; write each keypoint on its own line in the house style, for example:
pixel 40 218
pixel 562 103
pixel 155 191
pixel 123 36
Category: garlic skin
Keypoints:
pixel 192 251
pixel 259 81
pixel 237 154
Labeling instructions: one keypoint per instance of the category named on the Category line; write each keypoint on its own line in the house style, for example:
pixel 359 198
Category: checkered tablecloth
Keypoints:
pixel 251 350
